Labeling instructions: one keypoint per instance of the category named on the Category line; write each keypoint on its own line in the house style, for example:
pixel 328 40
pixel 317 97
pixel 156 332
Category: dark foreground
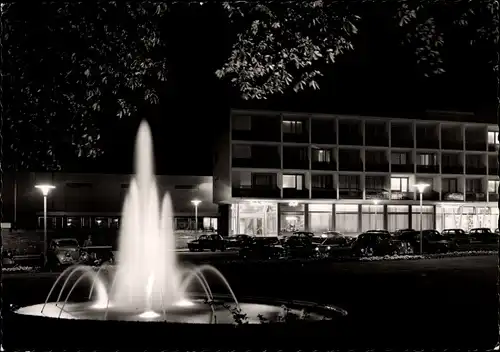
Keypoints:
pixel 440 303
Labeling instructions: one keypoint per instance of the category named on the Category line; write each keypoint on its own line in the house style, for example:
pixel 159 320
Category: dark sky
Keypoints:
pixel 379 76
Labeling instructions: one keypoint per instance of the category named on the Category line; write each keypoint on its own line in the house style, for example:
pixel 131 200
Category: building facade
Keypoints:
pixel 280 171
pixel 95 200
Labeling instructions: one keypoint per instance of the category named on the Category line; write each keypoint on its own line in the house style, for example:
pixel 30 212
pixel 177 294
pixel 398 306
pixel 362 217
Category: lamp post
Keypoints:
pixel 196 202
pixel 421 188
pixel 376 202
pixel 45 189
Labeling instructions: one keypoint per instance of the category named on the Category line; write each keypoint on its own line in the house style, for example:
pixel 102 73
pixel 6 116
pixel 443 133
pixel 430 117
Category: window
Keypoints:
pixel 398 158
pixel 293 127
pixel 426 159
pixel 473 160
pixel 322 181
pixel 450 160
pixel 293 181
pixel 349 182
pixel 241 151
pixel 264 180
pixel 493 186
pixel 399 184
pixel 473 185
pixel 242 123
pixel 492 138
pixel 374 182
pixel 322 155
pixel 450 185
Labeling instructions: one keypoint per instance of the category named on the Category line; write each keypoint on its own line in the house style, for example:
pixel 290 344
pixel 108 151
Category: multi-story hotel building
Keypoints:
pixel 281 171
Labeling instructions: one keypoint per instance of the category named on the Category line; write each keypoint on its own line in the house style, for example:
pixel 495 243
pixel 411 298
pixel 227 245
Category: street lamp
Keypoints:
pixel 45 189
pixel 196 202
pixel 421 188
pixel 376 202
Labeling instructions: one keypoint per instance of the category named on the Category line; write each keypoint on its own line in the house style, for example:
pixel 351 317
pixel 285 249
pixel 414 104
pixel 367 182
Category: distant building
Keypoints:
pixel 283 171
pixel 91 201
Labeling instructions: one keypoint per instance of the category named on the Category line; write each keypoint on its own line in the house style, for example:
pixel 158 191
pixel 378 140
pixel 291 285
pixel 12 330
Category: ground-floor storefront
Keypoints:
pixel 271 218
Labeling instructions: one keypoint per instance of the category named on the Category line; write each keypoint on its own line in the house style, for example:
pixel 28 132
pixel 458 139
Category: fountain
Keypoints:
pixel 148 284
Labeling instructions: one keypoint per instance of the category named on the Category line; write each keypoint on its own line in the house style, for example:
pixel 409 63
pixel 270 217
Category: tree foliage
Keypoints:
pixel 283 45
pixel 68 63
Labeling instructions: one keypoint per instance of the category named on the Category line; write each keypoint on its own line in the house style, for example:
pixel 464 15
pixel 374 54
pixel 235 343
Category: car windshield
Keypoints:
pixel 67 243
pixel 330 241
pixel 317 240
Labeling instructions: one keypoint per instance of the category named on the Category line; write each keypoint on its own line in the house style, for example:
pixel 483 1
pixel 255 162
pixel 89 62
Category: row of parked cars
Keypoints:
pixel 373 242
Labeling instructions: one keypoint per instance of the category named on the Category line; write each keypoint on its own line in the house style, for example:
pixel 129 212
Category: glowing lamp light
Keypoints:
pixel 184 303
pixel 293 204
pixel 196 202
pixel 291 218
pixel 149 315
pixel 45 189
pixel 421 187
pixel 376 201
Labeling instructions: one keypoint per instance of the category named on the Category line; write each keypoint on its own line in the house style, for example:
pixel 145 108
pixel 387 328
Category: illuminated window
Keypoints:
pixel 492 137
pixel 493 186
pixel 293 181
pixel 322 155
pixel 399 184
pixel 293 127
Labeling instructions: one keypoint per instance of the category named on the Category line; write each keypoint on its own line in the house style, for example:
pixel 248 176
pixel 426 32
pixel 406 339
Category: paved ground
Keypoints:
pixel 421 300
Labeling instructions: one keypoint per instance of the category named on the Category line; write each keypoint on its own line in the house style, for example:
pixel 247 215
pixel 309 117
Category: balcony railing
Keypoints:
pixel 395 195
pixel 430 195
pixel 449 169
pixel 295 193
pixel 453 196
pixel 475 170
pixel 371 193
pixel 475 146
pixel 257 135
pixel 493 197
pixel 453 145
pixel 402 142
pixel 294 163
pixel 376 141
pixel 350 139
pixel 346 193
pixel 352 166
pixel 428 143
pixel 475 197
pixel 377 167
pixel 256 192
pixel 403 168
pixel 492 147
pixel 332 166
pixel 428 169
pixel 296 137
pixel 269 163
pixel 322 193
pixel 493 171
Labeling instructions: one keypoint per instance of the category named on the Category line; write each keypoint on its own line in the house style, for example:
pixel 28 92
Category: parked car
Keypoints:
pixel 379 231
pixel 300 246
pixel 432 241
pixel 376 243
pixel 458 235
pixel 238 241
pixel 262 248
pixel 212 242
pixel 399 232
pixel 327 247
pixel 97 255
pixel 62 252
pixel 284 237
pixel 483 235
pixel 8 259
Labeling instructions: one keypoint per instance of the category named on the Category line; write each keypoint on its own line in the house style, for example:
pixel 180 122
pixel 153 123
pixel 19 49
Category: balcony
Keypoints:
pixel 323 131
pixel 381 194
pixel 430 195
pixel 256 192
pixel 322 193
pixel 293 193
pixel 475 197
pixel 427 136
pixel 476 138
pixel 377 167
pixel 474 146
pixel 295 131
pixel 449 169
pixel 452 137
pixel 475 170
pixel 452 145
pixel 317 165
pixel 453 196
pixel 492 147
pixel 428 169
pixel 404 168
pixel 401 135
pixel 295 158
pixel 350 132
pixel 493 171
pixel 352 166
pixel 376 134
pixel 266 163
pixel 346 193
pixel 396 195
pixel 493 197
pixel 256 128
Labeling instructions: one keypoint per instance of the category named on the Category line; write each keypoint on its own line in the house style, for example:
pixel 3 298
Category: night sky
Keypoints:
pixel 378 77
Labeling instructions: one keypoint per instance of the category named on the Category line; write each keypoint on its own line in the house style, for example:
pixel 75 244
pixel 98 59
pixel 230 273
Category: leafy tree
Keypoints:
pixel 68 63
pixel 285 45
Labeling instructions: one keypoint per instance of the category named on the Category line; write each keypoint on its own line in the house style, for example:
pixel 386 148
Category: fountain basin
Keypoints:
pixel 81 326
